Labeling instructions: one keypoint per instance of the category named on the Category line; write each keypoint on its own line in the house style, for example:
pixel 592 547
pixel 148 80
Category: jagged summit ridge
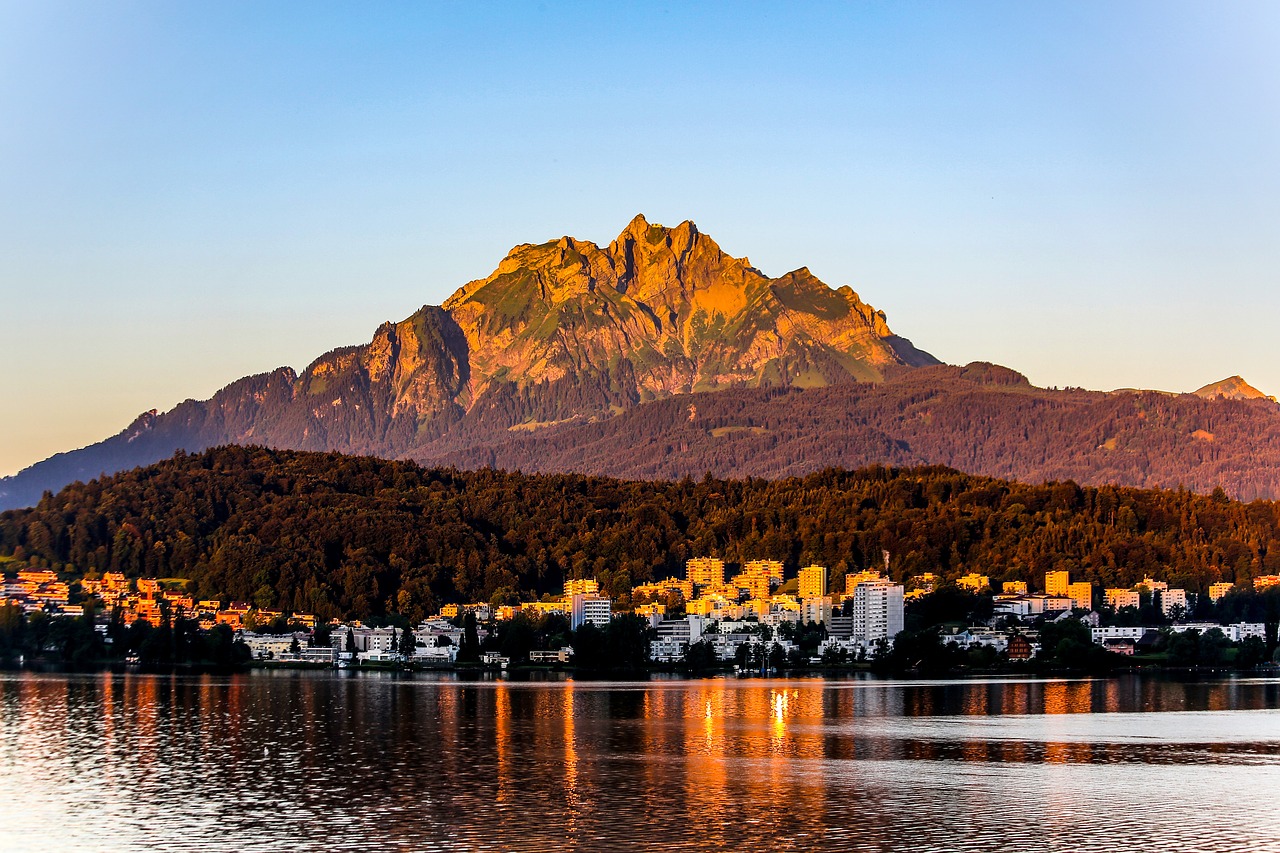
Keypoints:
pixel 686 315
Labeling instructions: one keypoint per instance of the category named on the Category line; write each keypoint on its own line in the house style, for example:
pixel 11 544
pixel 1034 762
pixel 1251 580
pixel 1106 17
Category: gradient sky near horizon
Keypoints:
pixel 193 192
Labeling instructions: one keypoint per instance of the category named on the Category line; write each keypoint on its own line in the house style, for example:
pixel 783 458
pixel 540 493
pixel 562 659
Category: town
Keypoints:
pixel 751 621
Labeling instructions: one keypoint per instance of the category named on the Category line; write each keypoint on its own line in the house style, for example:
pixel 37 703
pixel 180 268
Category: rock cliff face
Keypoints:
pixel 681 314
pixel 560 331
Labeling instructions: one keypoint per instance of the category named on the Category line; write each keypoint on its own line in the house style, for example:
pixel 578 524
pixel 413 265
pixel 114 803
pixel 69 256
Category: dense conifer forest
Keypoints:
pixel 363 537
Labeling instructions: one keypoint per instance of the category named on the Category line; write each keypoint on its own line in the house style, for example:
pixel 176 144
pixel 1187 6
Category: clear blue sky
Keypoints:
pixel 192 192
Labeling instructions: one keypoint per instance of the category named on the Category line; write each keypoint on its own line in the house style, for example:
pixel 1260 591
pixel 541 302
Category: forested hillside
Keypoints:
pixel 354 536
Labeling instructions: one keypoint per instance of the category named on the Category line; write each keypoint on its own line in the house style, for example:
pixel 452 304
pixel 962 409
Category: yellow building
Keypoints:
pixel 660 589
pixel 924 584
pixel 1118 598
pixel 1218 590
pixel 705 572
pixel 851 581
pixel 1081 595
pixel 543 608
pixel 755 577
pixel 974 582
pixel 714 606
pixel 1265 582
pixel 1056 583
pixel 583 586
pixel 1015 588
pixel 813 581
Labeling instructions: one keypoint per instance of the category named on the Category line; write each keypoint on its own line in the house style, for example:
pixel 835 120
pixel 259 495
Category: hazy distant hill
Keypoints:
pixel 1231 388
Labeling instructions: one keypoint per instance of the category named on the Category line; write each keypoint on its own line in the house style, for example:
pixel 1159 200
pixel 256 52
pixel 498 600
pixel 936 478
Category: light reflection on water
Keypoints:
pixel 323 761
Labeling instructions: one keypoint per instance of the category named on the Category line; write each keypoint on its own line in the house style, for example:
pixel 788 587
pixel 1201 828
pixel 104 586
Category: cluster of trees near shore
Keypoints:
pixel 360 537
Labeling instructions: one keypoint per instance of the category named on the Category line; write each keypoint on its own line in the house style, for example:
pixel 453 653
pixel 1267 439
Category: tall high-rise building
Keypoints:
pixel 707 572
pixel 1056 583
pixel 877 611
pixel 813 582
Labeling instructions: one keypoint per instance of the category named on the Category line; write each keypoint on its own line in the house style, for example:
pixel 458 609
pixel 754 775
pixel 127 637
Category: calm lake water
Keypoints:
pixel 294 761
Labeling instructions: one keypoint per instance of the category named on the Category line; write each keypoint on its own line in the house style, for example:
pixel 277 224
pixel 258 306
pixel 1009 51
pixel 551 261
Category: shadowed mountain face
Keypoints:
pixel 562 331
pixel 981 418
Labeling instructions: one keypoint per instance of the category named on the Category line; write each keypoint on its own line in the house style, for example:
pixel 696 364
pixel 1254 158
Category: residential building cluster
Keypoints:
pixel 141 599
pixel 39 590
pixel 724 612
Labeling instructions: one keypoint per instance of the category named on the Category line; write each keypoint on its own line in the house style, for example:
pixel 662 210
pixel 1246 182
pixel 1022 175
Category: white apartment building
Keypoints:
pixel 1101 635
pixel 877 611
pixel 594 609
pixel 1171 598
pixel 674 638
pixel 1235 633
pixel 1030 605
pixel 816 609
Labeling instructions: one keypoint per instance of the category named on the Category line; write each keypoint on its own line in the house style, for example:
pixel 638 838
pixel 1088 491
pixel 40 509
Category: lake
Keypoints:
pixel 291 761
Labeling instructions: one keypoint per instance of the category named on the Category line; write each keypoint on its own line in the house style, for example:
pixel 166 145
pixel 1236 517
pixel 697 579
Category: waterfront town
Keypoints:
pixel 753 616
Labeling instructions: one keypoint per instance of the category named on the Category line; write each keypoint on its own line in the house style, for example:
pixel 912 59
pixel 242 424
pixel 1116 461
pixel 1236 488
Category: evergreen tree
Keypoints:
pixel 408 644
pixel 469 648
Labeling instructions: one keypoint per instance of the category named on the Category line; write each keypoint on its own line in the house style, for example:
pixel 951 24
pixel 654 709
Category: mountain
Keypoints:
pixel 561 330
pixel 1231 388
pixel 660 356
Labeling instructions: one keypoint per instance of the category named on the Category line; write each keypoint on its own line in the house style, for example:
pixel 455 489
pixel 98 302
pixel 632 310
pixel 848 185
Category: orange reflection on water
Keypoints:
pixel 502 738
pixel 705 747
pixel 1068 697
